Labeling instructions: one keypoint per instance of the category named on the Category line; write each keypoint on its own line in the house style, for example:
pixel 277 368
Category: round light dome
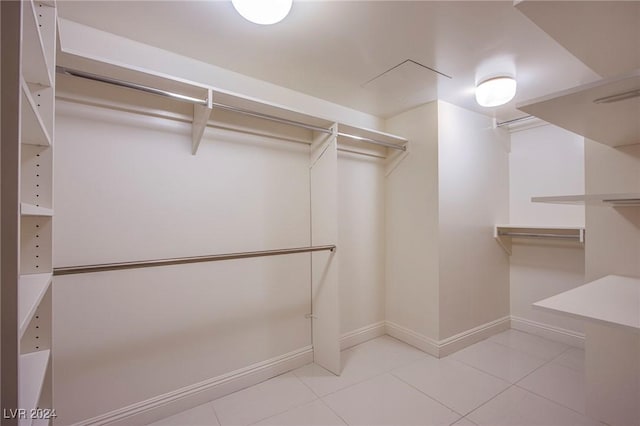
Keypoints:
pixel 263 12
pixel 495 91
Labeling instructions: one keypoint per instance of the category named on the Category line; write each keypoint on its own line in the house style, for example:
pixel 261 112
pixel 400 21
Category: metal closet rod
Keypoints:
pixel 184 98
pixel 85 269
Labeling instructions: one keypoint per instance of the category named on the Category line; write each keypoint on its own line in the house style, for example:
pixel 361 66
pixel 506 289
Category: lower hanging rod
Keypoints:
pixel 532 235
pixel 104 267
pixel 184 98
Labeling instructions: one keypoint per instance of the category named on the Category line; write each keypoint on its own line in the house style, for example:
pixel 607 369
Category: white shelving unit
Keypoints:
pixel 505 234
pixel 27 159
pixel 612 200
pixel 607 112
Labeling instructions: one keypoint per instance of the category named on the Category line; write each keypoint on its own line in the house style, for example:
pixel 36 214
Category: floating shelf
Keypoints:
pixel 27 209
pixel 34 131
pixel 612 300
pixel 34 61
pixel 606 111
pixel 631 199
pixel 33 368
pixel 505 234
pixel 31 290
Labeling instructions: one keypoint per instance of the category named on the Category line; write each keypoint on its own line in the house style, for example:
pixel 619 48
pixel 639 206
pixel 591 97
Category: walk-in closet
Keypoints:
pixel 320 213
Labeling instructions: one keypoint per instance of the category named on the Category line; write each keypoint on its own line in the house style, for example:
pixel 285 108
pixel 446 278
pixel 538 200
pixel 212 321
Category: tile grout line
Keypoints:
pixel 292 407
pixel 215 413
pixel 333 411
pixel 538 368
pixel 428 396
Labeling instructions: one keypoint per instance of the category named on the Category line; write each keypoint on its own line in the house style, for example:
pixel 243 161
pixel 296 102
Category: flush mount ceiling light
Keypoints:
pixel 263 12
pixel 495 91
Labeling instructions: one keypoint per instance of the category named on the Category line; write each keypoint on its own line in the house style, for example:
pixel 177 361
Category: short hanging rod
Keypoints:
pixel 184 98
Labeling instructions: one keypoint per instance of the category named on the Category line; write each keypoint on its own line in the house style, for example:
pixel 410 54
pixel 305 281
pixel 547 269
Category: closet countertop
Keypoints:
pixel 612 300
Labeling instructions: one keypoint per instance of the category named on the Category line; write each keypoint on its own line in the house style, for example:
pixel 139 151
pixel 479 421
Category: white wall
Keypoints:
pixel 445 273
pixel 128 188
pixel 361 221
pixel 545 161
pixel 473 196
pixel 412 274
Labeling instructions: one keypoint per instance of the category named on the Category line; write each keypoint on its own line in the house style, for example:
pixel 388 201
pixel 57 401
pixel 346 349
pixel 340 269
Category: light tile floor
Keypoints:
pixel 510 379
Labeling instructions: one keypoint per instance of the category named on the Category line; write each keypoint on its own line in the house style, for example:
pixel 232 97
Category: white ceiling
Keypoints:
pixel 333 49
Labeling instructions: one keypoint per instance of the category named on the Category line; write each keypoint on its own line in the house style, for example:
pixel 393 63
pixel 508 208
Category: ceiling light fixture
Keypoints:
pixel 263 12
pixel 495 91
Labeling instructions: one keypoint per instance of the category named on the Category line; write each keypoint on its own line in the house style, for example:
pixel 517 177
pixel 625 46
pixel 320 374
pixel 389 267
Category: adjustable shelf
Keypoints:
pixel 612 300
pixel 35 67
pixel 32 372
pixel 613 200
pixel 606 111
pixel 27 209
pixel 31 290
pixel 504 234
pixel 34 130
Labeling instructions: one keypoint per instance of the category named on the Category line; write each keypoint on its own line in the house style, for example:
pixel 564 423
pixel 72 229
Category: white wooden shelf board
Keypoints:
pixel 34 131
pixel 612 300
pixel 31 290
pixel 631 199
pixel 34 63
pixel 32 371
pixel 572 233
pixel 27 209
pixel 611 123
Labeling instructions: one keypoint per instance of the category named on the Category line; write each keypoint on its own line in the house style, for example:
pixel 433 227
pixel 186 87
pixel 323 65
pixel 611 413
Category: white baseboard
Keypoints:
pixel 191 396
pixel 410 337
pixel 562 335
pixel 362 334
pixel 441 348
pixel 469 337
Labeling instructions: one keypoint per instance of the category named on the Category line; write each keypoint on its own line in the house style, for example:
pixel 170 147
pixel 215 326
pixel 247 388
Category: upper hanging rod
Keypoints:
pixel 514 121
pixel 84 269
pixel 177 96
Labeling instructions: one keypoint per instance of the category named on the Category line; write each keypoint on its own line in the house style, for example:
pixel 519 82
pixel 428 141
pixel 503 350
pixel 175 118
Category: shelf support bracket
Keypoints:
pixel 201 114
pixel 504 241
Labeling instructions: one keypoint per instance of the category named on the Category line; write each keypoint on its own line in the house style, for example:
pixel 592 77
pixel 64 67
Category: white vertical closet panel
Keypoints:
pixel 128 188
pixel 324 265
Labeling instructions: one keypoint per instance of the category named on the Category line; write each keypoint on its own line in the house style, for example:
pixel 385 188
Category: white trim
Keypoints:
pixel 551 332
pixel 174 402
pixel 410 337
pixel 469 337
pixel 441 348
pixel 362 334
